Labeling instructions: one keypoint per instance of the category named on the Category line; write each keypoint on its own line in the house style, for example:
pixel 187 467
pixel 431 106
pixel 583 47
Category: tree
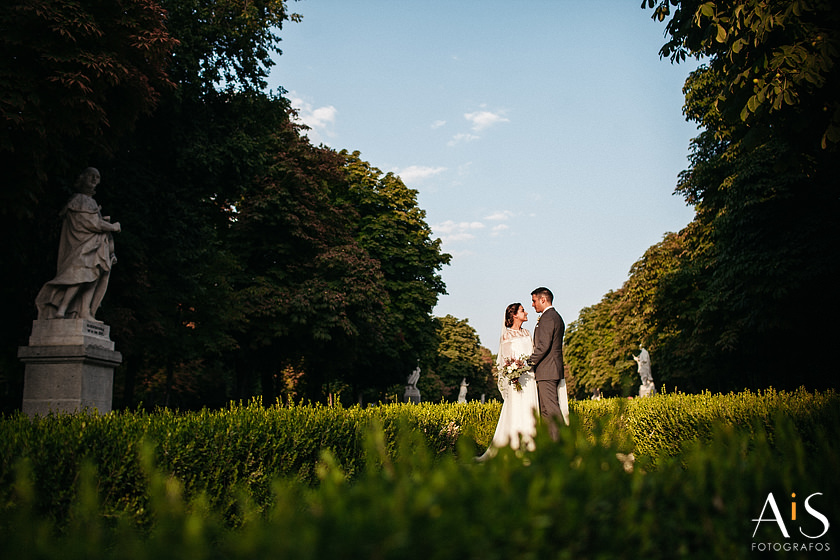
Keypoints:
pixel 74 78
pixel 763 180
pixel 392 229
pixel 458 357
pixel 597 350
pixel 180 175
pixel 226 45
pixel 251 262
pixel 485 383
pixel 309 291
pixel 777 61
pixel 658 306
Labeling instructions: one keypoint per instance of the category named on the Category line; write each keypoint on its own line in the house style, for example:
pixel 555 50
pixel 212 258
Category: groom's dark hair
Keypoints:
pixel 544 292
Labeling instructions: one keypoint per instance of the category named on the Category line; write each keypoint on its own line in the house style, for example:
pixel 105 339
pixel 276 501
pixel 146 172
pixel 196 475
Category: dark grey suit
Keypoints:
pixel 547 361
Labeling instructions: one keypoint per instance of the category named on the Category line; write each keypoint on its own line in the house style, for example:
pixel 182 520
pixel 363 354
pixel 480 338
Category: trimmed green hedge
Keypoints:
pixel 664 424
pixel 400 481
pixel 243 447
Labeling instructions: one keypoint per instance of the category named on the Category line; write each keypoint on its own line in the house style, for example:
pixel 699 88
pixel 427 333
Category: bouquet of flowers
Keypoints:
pixel 513 368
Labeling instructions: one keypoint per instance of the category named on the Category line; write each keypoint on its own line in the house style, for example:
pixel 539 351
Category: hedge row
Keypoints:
pixel 238 455
pixel 244 447
pixel 664 424
pixel 572 499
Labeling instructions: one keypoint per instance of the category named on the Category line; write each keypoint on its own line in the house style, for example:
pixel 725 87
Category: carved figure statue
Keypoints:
pixel 643 359
pixel 412 393
pixel 462 393
pixel 85 256
pixel 415 375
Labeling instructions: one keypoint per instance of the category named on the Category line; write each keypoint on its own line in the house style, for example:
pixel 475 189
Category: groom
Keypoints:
pixel 547 359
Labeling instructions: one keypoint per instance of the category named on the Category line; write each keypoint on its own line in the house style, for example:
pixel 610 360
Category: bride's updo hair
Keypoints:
pixel 510 311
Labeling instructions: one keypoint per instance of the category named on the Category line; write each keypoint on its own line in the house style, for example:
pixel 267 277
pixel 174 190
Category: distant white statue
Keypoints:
pixel 412 393
pixel 462 394
pixel 643 359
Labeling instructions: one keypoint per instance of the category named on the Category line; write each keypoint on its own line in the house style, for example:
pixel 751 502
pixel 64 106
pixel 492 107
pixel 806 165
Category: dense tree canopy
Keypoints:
pixel 250 262
pixel 741 297
pixel 74 78
pixel 776 60
pixel 457 356
pixel 654 308
pixel 742 294
pixel 392 229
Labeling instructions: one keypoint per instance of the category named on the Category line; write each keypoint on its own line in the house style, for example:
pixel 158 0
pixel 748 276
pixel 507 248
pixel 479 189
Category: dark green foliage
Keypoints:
pixel 74 79
pixel 744 296
pixel 225 44
pixel 457 356
pixel 408 498
pixel 598 349
pixel 777 61
pixel 392 229
pixel 241 448
pixel 250 261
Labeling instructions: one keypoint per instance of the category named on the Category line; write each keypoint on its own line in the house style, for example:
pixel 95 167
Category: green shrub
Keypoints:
pixel 399 481
pixel 239 449
pixel 571 499
pixel 663 424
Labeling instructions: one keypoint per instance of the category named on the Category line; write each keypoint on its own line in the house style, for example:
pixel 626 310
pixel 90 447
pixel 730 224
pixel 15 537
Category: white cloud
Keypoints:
pixel 499 228
pixel 450 231
pixel 484 119
pixel 481 120
pixel 450 226
pixel 438 124
pixel 462 236
pixel 418 172
pixel 319 119
pixel 499 216
pixel 462 137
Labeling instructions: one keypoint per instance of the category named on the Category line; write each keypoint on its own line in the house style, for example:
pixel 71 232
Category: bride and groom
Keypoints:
pixel 543 386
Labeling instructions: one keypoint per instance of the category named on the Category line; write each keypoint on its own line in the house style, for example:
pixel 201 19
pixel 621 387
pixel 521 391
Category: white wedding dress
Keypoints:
pixel 517 420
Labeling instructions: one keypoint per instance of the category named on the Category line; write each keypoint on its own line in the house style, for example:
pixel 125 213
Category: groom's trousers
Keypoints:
pixel 549 405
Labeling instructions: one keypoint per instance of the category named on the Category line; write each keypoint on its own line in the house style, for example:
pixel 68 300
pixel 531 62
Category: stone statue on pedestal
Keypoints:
pixel 462 393
pixel 70 358
pixel 412 393
pixel 648 388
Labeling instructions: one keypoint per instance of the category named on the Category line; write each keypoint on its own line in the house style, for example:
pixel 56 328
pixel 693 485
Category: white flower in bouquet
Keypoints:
pixel 513 368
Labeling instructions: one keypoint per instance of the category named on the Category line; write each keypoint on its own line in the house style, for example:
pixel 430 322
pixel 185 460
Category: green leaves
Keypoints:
pixel 791 45
pixel 763 182
pixel 400 481
pixel 225 44
pixel 392 229
pixel 458 355
pixel 74 79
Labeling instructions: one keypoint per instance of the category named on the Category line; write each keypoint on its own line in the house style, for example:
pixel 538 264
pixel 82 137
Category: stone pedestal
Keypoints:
pixel 69 367
pixel 412 395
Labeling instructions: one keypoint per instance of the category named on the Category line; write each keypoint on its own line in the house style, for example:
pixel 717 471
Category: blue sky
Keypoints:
pixel 544 137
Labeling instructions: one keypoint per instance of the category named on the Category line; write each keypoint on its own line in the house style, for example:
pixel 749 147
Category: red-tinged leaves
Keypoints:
pixel 74 80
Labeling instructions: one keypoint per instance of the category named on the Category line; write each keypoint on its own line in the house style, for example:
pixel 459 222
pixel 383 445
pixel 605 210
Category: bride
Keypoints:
pixel 517 421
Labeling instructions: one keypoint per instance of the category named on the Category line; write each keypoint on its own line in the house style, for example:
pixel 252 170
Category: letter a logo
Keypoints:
pixel 778 516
